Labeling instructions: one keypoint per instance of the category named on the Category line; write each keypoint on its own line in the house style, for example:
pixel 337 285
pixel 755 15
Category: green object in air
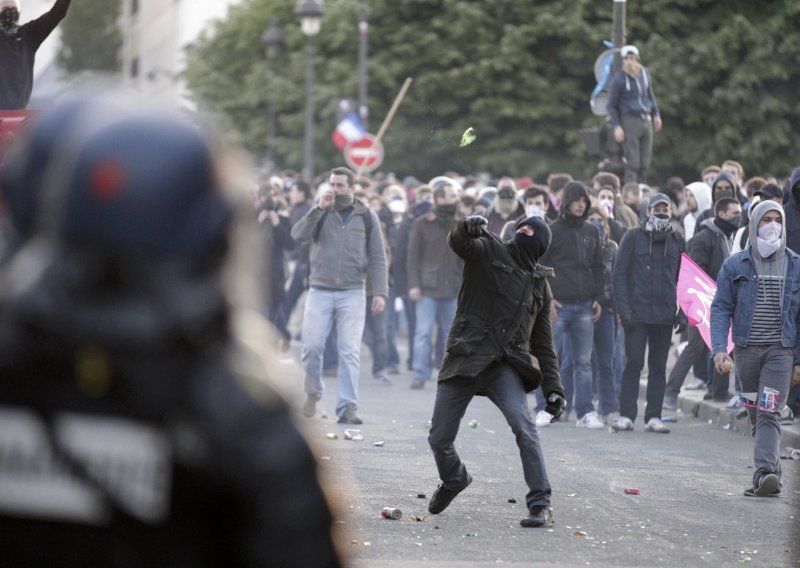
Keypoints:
pixel 468 137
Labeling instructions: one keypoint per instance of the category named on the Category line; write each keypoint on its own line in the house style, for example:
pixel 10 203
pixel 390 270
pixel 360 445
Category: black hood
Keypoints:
pixel 573 191
pixel 794 184
pixel 730 179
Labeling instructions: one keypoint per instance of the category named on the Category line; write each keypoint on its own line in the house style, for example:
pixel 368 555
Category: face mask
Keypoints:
pixel 771 232
pixel 343 201
pixel 736 221
pixel 445 210
pixel 505 206
pixel 661 216
pixel 608 206
pixel 534 211
pixel 398 206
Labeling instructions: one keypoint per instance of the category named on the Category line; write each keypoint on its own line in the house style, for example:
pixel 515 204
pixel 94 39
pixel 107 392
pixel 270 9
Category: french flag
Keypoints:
pixel 349 129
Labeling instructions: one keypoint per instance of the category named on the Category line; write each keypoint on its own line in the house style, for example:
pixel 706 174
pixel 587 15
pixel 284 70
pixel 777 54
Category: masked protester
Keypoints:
pixel 758 301
pixel 645 282
pixel 18 46
pixel 500 346
pixel 434 276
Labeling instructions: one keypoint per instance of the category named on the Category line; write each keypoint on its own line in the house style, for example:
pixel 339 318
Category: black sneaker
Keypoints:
pixel 540 516
pixel 443 496
pixel 348 416
pixel 767 486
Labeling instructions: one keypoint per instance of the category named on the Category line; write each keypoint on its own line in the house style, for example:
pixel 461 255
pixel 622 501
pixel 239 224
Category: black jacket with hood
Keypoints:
pixel 791 208
pixel 503 315
pixel 575 252
pixel 646 276
pixel 709 213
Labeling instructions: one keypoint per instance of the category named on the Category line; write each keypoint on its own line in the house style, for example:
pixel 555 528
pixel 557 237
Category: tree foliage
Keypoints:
pixel 520 72
pixel 90 37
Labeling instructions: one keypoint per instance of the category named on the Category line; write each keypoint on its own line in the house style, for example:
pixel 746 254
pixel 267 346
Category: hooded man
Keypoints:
pixel 758 300
pixel 791 208
pixel 18 46
pixel 500 346
pixel 577 258
pixel 724 186
pixel 698 200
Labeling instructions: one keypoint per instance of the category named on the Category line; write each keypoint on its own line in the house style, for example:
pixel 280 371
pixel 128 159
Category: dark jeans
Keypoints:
pixel 638 338
pixel 693 354
pixel 392 356
pixel 410 309
pixel 375 337
pixel 603 363
pixel 296 289
pixel 502 385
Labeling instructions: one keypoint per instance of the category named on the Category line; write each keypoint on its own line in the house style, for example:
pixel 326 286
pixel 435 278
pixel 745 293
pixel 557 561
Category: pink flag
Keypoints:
pixel 696 291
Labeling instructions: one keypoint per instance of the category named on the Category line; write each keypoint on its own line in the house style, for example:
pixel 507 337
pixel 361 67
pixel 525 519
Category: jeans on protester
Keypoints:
pixel 765 373
pixel 323 307
pixel 330 355
pixel 656 339
pixel 410 308
pixel 574 329
pixel 637 147
pixel 392 356
pixel 603 363
pixel 296 289
pixel 375 337
pixel 430 311
pixel 619 360
pixel 719 385
pixel 503 386
pixel 695 352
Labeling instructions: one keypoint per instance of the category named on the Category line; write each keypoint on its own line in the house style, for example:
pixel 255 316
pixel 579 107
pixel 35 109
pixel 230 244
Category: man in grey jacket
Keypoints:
pixel 346 245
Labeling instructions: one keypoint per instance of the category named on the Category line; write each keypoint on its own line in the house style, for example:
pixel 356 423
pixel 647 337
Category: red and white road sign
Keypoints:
pixel 365 154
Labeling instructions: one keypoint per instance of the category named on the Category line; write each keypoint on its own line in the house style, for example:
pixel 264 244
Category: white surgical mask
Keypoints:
pixel 397 206
pixel 534 211
pixel 771 231
pixel 608 204
pixel 769 238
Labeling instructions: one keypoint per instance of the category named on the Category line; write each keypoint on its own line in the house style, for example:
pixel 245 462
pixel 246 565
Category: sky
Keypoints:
pixel 202 11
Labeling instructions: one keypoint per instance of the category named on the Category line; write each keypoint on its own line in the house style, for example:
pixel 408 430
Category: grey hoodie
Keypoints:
pixel 775 264
pixel 342 255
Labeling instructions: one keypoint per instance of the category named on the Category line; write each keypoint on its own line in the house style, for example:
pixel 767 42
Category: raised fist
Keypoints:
pixel 475 224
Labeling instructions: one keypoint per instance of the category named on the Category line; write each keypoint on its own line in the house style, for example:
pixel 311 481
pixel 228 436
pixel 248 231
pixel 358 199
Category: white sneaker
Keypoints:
pixel 590 420
pixel 543 418
pixel 655 425
pixel 609 419
pixel 622 424
pixel 696 384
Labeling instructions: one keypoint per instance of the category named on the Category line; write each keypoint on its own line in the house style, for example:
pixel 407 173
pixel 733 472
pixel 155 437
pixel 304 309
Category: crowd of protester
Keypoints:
pixel 589 219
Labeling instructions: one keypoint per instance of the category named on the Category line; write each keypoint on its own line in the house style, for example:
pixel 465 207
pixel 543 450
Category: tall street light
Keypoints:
pixel 272 40
pixel 310 13
pixel 363 28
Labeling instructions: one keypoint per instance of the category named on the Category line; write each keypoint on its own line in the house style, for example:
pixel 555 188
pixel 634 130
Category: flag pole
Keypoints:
pixel 386 121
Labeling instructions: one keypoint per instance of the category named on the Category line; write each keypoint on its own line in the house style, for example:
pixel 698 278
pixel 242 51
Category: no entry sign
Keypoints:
pixel 365 154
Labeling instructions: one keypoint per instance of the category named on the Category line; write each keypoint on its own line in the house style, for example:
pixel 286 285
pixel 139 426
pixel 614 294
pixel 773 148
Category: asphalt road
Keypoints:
pixel 690 510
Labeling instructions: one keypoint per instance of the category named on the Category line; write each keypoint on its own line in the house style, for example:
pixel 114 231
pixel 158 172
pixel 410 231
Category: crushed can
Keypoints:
pixel 472 424
pixel 391 513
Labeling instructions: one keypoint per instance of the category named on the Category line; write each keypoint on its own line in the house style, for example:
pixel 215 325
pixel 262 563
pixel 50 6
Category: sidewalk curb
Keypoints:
pixel 691 404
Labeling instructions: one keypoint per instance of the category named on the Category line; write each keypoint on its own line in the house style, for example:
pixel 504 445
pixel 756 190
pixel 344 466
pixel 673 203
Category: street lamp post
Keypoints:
pixel 272 40
pixel 363 28
pixel 310 13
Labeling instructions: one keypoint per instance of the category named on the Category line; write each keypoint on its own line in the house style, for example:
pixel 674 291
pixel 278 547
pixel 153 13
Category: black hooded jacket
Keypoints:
pixel 791 208
pixel 709 213
pixel 575 252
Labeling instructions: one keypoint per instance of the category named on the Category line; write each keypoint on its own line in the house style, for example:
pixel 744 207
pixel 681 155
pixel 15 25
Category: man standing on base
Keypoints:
pixel 18 46
pixel 500 346
pixel 634 114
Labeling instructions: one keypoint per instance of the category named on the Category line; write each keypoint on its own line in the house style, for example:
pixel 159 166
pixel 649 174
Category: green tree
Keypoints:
pixel 90 37
pixel 519 72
